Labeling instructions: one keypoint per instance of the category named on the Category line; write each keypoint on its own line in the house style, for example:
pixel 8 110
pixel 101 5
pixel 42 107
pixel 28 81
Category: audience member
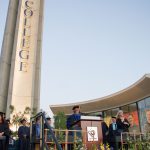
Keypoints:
pixel 4 132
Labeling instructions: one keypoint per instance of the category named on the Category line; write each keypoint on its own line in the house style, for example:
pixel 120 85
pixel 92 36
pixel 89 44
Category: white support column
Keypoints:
pixel 6 52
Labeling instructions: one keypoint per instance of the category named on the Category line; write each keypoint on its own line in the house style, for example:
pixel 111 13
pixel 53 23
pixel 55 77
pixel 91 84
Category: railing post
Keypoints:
pixel 75 137
pixel 66 139
pixel 121 141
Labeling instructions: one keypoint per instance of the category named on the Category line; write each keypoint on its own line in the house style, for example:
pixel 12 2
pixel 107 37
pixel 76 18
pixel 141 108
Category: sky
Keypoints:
pixel 91 48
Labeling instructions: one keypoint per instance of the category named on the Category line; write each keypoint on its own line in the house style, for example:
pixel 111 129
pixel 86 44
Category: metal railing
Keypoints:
pixel 74 138
pixel 40 143
pixel 136 140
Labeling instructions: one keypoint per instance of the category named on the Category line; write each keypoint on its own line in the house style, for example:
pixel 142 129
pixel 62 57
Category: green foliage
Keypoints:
pixel 78 144
pixel 140 143
pixel 18 116
pixel 27 110
pixel 11 108
pixel 60 120
pixel 34 111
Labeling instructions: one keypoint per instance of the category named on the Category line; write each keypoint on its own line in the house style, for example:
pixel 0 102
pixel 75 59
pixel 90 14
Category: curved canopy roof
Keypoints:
pixel 135 92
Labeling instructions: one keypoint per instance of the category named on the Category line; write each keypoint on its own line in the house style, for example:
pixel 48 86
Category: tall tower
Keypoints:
pixel 20 61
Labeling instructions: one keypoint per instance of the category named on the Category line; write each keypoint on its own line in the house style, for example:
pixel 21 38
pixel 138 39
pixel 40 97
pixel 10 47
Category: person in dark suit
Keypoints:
pixel 4 132
pixel 24 136
pixel 113 131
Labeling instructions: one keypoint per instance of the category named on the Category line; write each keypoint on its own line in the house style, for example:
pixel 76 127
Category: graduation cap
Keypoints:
pixel 114 117
pixel 48 118
pixel 76 106
pixel 8 121
pixel 2 113
pixel 21 121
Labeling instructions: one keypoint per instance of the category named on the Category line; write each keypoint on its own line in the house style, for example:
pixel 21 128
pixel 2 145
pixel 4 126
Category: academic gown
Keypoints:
pixel 104 132
pixel 71 125
pixel 112 136
pixel 24 137
pixel 4 139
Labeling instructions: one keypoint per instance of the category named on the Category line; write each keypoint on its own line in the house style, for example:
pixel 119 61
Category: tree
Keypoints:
pixel 60 120
pixel 18 116
pixel 27 110
pixel 11 108
pixel 34 111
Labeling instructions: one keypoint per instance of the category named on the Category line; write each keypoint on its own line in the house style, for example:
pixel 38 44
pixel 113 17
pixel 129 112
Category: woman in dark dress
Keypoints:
pixel 123 126
pixel 4 132
pixel 122 123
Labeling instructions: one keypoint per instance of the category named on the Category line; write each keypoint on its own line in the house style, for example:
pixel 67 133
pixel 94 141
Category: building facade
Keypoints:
pixel 134 101
pixel 20 61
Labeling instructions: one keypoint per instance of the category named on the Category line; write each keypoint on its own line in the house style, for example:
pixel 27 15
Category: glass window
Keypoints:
pixel 141 105
pixel 125 109
pixel 115 111
pixel 147 102
pixel 95 114
pixel 142 116
pixel 132 107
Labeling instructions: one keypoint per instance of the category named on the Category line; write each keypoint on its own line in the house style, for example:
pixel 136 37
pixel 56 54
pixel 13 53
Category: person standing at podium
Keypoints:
pixel 73 125
pixel 72 119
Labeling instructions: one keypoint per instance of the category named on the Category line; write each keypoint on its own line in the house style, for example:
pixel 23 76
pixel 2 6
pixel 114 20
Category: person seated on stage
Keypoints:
pixel 112 134
pixel 71 120
pixel 4 132
pixel 48 136
pixel 24 135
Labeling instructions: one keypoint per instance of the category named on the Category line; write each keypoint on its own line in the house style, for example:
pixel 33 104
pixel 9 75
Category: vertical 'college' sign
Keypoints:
pixel 24 52
pixel 26 46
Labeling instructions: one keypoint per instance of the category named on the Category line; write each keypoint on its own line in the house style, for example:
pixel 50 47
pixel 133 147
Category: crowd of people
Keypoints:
pixel 23 133
pixel 110 133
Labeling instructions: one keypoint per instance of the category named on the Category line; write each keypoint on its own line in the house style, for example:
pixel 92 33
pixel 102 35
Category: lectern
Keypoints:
pixel 92 126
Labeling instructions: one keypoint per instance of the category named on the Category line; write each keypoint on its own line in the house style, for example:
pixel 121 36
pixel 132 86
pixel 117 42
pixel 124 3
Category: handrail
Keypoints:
pixel 51 131
pixel 42 115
